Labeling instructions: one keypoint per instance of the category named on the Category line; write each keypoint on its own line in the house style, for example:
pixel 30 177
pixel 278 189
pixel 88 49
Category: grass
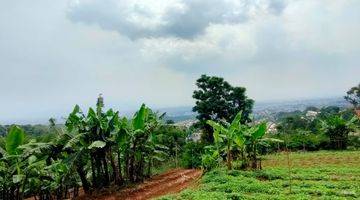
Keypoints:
pixel 315 175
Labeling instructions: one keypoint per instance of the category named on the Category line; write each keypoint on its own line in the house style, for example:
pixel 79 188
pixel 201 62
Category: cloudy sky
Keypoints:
pixel 54 54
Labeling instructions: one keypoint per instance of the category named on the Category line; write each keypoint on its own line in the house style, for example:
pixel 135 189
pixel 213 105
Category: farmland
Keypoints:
pixel 314 175
pixel 100 154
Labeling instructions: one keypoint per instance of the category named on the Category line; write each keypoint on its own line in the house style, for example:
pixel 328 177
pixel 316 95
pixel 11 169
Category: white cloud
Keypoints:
pixel 185 19
pixel 153 51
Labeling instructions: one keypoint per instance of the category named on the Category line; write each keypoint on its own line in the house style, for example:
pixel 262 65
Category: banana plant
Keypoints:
pixel 96 130
pixel 229 135
pixel 338 129
pixel 12 164
pixel 141 128
pixel 243 137
pixel 252 137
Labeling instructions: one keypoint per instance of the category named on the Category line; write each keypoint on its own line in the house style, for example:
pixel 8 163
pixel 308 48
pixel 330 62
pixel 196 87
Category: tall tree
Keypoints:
pixel 353 96
pixel 217 100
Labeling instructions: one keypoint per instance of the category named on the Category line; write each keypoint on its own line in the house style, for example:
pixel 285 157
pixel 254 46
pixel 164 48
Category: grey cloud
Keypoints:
pixel 186 23
pixel 277 6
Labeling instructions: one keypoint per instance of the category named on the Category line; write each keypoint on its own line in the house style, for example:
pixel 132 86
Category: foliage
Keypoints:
pixel 320 175
pixel 301 140
pixel 96 149
pixel 338 129
pixel 353 96
pixel 217 100
pixel 236 137
pixel 191 156
pixel 30 130
pixel 173 138
pixel 210 160
pixel 329 129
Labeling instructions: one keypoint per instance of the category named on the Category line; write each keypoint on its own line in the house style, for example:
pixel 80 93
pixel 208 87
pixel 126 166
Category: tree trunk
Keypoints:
pixel 113 166
pixel 106 169
pixel 254 158
pixel 94 177
pixel 82 175
pixel 229 165
pixel 99 171
pixel 149 168
pixel 119 167
pixel 132 163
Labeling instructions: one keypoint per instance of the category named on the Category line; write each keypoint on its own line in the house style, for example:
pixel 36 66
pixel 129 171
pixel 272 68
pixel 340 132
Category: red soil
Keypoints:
pixel 172 181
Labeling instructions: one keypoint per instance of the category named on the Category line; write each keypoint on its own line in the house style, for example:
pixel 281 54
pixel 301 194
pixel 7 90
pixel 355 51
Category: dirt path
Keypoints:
pixel 170 182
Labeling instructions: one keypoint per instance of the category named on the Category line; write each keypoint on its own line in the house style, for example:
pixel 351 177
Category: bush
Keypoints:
pixel 191 157
pixel 298 141
pixel 209 161
pixel 354 142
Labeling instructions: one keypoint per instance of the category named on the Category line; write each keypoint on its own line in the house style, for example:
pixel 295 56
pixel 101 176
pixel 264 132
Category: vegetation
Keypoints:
pixel 353 96
pixel 239 138
pixel 318 175
pixel 328 128
pixel 95 150
pixel 98 149
pixel 217 100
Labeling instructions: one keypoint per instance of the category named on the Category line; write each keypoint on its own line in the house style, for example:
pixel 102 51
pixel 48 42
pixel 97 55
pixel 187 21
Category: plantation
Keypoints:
pixel 100 154
pixel 96 150
pixel 317 175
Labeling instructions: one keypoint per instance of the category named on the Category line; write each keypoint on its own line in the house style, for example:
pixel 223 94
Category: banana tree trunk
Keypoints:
pixel 149 167
pixel 119 167
pixel 82 175
pixel 113 166
pixel 94 177
pixel 106 170
pixel 254 158
pixel 228 159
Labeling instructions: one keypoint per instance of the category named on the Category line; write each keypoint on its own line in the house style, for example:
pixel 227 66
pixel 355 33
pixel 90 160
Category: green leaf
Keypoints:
pixel 239 140
pixel 91 114
pixel 15 138
pixel 139 118
pixel 32 159
pixel 217 130
pixel 261 130
pixel 97 144
pixel 236 122
pixel 17 178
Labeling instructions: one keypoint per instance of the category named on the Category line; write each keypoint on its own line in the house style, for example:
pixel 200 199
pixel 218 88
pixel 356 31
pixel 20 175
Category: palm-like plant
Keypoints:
pixel 87 150
pixel 229 135
pixel 245 138
pixel 338 129
pixel 12 164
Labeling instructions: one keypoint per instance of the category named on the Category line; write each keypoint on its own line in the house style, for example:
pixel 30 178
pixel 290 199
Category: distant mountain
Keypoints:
pixel 178 114
pixel 262 109
pixel 269 109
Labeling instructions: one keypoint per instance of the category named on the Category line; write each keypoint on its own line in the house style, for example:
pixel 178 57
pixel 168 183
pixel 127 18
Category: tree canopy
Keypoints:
pixel 217 100
pixel 353 96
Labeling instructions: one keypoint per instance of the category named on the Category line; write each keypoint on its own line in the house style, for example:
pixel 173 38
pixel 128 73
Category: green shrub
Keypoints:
pixel 209 161
pixel 192 152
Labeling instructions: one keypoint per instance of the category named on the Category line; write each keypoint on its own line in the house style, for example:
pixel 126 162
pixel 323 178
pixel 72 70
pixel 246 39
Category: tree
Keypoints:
pixel 217 100
pixel 353 96
pixel 240 137
pixel 230 135
pixel 338 129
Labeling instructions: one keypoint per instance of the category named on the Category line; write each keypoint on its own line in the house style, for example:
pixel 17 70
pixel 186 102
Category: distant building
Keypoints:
pixel 196 136
pixel 186 123
pixel 271 127
pixel 311 114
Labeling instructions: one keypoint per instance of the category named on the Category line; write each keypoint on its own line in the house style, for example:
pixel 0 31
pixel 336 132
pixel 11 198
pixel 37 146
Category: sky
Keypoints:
pixel 55 54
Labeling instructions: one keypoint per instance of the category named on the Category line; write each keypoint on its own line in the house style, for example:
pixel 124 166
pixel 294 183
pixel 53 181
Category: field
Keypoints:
pixel 315 175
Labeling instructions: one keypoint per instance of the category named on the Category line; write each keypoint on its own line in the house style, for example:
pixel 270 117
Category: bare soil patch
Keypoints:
pixel 170 182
